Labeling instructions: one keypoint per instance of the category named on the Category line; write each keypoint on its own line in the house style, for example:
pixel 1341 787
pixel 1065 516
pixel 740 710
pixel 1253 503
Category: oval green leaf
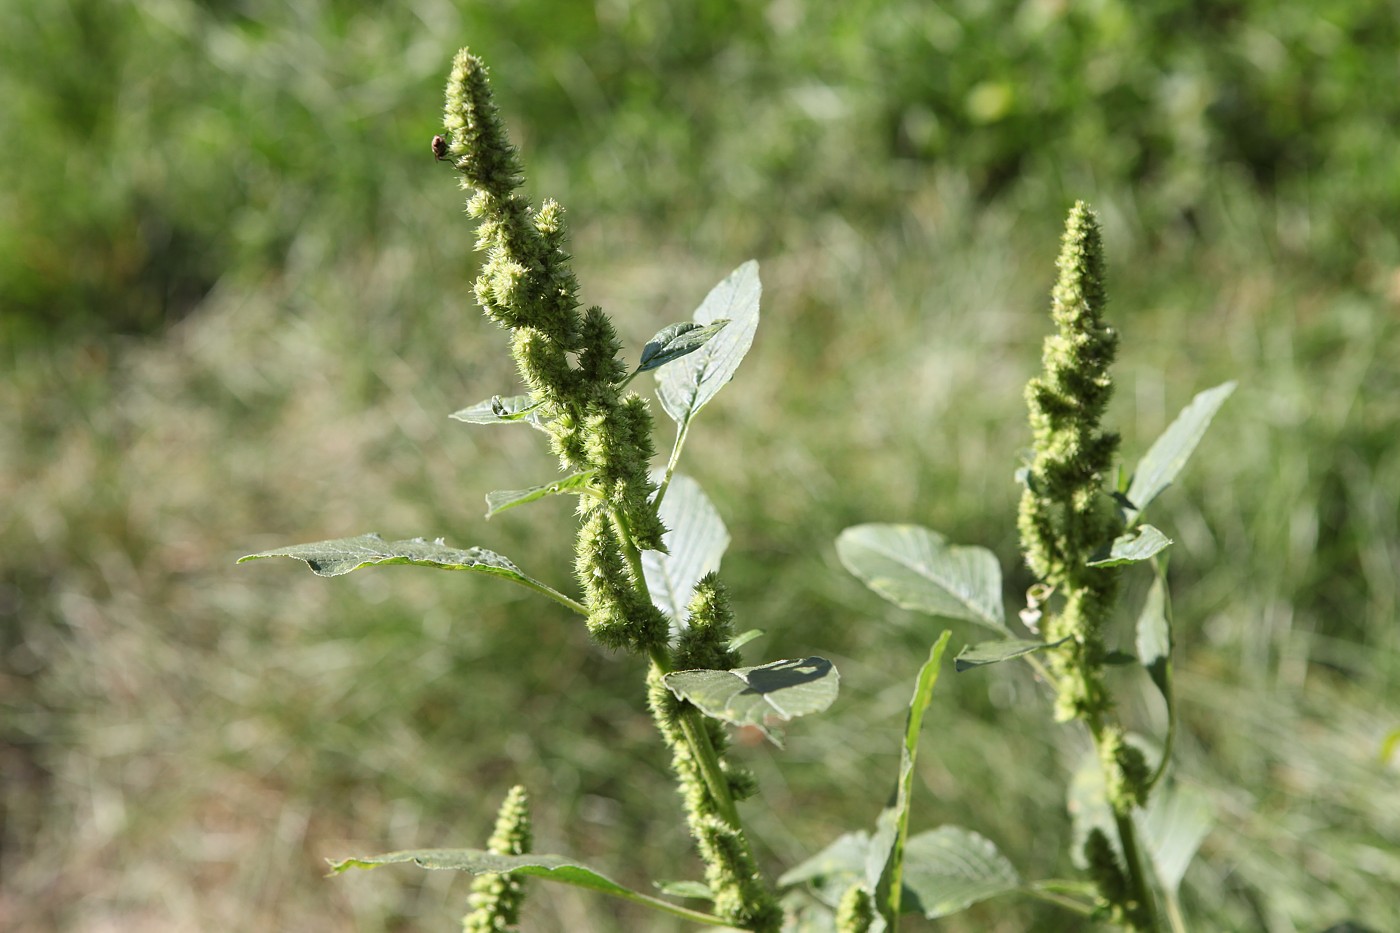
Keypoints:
pixel 915 568
pixel 677 340
pixel 695 541
pixel 688 385
pixel 759 696
pixel 950 868
pixel 1169 453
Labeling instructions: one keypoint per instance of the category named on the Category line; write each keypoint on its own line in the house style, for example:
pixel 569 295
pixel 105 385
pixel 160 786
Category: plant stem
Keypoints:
pixel 681 433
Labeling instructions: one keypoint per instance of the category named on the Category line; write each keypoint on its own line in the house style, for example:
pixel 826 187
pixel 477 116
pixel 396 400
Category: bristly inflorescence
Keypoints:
pixel 495 899
pixel 567 358
pixel 1065 514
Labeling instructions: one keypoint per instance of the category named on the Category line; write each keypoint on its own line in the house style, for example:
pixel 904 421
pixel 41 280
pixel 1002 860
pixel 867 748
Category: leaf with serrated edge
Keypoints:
pixel 915 568
pixel 342 555
pixel 993 652
pixel 755 696
pixel 676 341
pixel 510 409
pixel 687 385
pixel 333 558
pixel 1138 545
pixel 1169 453
pixel 695 542
pixel 501 499
pixel 949 869
pixel 549 867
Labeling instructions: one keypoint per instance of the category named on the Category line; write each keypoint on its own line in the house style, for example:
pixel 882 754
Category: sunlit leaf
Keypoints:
pixel 502 499
pixel 676 341
pixel 887 860
pixel 695 542
pixel 498 409
pixel 991 652
pixel 342 555
pixel 759 696
pixel 688 384
pixel 1140 544
pixel 915 568
pixel 1168 455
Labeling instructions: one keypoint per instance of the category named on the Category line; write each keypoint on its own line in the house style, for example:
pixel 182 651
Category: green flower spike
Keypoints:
pixel 1065 515
pixel 495 899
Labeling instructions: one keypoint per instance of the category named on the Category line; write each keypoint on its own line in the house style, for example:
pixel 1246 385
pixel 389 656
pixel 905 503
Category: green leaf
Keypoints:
pixel 502 499
pixel 743 638
pixel 1168 455
pixel 846 856
pixel 1177 819
pixel 499 410
pixel 333 558
pixel 676 341
pixel 548 867
pixel 758 696
pixel 915 568
pixel 886 865
pixel 1154 638
pixel 991 652
pixel 697 890
pixel 1140 544
pixel 689 384
pixel 949 869
pixel 695 542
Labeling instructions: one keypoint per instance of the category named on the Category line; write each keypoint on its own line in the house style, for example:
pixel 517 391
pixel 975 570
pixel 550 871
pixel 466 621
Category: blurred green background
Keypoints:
pixel 237 307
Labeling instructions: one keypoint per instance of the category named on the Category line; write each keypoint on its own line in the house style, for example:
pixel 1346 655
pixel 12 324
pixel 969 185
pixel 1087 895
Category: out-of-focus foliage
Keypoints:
pixel 163 144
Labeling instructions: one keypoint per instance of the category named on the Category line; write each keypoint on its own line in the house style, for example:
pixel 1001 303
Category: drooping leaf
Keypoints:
pixel 991 652
pixel 695 541
pixel 502 499
pixel 342 555
pixel 886 865
pixel 549 867
pixel 1177 819
pixel 759 696
pixel 687 385
pixel 915 568
pixel 1154 638
pixel 497 409
pixel 949 869
pixel 676 341
pixel 1137 545
pixel 1169 453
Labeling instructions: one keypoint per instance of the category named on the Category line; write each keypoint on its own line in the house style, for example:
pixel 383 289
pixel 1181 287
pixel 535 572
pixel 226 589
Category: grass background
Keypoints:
pixel 237 309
